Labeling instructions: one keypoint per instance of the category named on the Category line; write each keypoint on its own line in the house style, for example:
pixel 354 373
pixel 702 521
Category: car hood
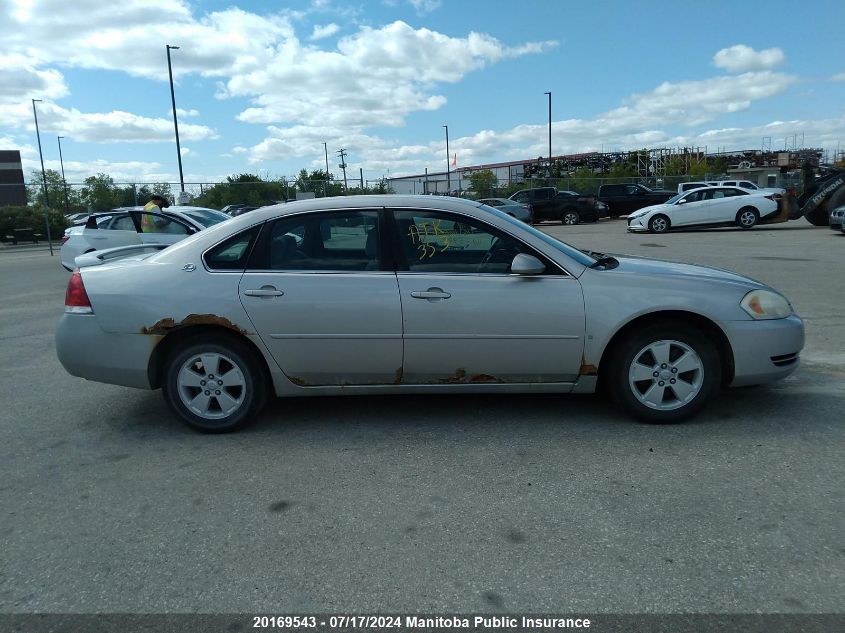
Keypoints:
pixel 646 210
pixel 645 266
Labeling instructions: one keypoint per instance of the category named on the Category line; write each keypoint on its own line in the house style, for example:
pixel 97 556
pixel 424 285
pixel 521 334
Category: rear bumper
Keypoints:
pixel 87 351
pixel 765 351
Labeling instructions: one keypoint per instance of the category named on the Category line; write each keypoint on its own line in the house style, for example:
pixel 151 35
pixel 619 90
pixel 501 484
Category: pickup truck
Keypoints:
pixel 625 199
pixel 566 207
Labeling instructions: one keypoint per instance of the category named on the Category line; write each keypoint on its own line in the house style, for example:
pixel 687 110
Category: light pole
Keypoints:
pixel 448 168
pixel 175 123
pixel 550 132
pixel 43 178
pixel 64 182
pixel 342 153
pixel 326 150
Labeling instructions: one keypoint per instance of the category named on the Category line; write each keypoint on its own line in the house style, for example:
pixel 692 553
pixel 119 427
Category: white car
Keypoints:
pixel 750 186
pixel 123 227
pixel 707 206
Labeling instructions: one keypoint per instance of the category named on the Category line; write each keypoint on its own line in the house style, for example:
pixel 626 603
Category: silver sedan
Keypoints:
pixel 408 294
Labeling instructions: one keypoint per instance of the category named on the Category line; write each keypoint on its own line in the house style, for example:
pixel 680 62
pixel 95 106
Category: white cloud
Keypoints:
pixel 425 6
pixel 120 171
pixel 640 121
pixel 183 113
pixel 100 127
pixel 741 58
pixel 838 77
pixel 22 80
pixel 375 77
pixel 322 31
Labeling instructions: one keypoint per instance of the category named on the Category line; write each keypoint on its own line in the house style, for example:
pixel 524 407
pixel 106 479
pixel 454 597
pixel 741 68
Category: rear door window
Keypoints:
pixel 334 241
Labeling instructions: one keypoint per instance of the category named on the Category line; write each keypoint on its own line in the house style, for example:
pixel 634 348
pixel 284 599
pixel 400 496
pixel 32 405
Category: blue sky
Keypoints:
pixel 261 84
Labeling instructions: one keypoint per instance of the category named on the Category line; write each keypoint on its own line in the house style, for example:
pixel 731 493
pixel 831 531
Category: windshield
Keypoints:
pixel 674 199
pixel 206 217
pixel 579 256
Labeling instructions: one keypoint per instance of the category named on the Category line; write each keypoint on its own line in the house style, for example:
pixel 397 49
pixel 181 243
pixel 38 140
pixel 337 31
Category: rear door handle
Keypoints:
pixel 264 291
pixel 432 294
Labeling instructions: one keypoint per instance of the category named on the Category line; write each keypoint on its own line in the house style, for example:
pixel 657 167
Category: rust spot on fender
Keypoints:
pixel 459 376
pixel 587 369
pixel 485 378
pixel 397 377
pixel 165 325
pixel 298 381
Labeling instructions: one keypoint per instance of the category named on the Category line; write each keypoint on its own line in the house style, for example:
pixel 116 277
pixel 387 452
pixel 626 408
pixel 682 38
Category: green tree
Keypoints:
pixel 55 191
pixel 483 182
pixel 99 193
pixel 584 180
pixel 248 189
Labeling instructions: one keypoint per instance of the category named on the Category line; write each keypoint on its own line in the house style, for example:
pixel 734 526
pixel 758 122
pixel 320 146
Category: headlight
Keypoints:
pixel 765 304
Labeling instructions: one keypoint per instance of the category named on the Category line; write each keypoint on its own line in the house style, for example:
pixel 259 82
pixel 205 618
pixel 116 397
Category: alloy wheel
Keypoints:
pixel 666 375
pixel 211 385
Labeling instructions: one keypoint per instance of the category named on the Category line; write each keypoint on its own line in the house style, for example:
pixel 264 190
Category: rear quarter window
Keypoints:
pixel 232 253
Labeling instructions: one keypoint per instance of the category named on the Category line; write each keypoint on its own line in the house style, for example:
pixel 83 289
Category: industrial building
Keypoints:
pixel 12 187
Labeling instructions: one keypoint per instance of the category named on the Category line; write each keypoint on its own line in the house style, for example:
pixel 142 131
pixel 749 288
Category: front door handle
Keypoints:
pixel 432 294
pixel 264 291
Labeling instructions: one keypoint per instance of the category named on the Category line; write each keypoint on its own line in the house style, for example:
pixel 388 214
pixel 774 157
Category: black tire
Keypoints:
pixel 659 224
pixel 747 218
pixel 818 216
pixel 675 336
pixel 570 217
pixel 232 352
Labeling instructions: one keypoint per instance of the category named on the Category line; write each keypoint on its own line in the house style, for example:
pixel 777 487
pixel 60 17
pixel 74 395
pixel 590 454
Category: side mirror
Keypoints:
pixel 527 265
pixel 682 201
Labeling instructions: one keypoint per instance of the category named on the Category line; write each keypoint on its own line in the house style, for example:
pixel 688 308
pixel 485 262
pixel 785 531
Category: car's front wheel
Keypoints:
pixel 665 372
pixel 659 224
pixel 214 385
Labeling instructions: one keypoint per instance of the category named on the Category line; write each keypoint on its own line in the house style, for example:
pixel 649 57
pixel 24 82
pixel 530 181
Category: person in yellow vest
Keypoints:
pixel 149 223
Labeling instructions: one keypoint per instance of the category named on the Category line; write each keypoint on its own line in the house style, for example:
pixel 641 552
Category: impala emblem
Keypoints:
pixel 189 268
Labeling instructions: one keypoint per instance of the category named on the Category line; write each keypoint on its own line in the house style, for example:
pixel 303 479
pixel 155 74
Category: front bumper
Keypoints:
pixel 86 350
pixel 765 351
pixel 636 225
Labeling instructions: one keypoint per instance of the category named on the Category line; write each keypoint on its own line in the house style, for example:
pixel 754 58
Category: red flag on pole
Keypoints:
pixel 455 160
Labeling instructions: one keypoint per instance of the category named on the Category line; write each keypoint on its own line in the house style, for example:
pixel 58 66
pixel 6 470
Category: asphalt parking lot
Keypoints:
pixel 436 503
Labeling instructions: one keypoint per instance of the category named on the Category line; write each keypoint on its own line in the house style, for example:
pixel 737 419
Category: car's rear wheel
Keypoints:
pixel 659 224
pixel 747 218
pixel 214 385
pixel 570 217
pixel 665 372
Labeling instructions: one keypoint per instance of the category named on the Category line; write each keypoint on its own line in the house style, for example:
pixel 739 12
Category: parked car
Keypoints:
pixel 625 199
pixel 689 186
pixel 747 184
pixel 547 203
pixel 123 227
pixel 837 219
pixel 301 299
pixel 706 206
pixel 75 218
pixel 514 209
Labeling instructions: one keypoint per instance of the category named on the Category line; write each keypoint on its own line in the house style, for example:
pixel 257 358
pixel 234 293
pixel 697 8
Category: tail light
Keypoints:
pixel 76 299
pixel 65 238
